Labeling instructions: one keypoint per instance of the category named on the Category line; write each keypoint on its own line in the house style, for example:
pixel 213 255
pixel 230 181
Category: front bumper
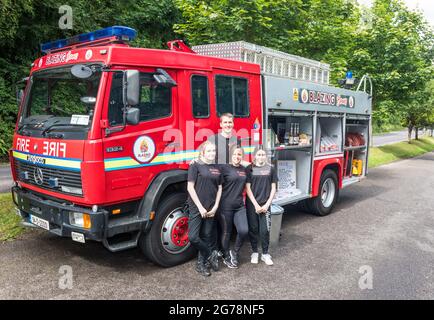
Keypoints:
pixel 57 214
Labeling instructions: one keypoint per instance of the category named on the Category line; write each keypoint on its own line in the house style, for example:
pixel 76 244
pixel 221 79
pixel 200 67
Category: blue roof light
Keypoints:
pixel 123 33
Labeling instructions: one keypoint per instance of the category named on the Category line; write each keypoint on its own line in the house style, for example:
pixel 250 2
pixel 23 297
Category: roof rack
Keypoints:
pixel 272 62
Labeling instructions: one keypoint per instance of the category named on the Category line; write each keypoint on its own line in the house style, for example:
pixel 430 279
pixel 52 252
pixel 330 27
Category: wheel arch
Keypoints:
pixel 162 185
pixel 334 164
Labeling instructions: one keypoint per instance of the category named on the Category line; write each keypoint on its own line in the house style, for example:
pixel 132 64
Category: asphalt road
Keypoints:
pixel 385 224
pixel 5 178
pixel 392 137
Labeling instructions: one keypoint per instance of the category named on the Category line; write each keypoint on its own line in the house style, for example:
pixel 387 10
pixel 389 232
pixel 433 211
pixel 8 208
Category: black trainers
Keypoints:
pixel 202 267
pixel 213 260
pixel 203 270
pixel 227 261
pixel 234 258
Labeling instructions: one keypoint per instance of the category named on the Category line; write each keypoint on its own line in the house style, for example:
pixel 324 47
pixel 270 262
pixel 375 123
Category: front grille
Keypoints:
pixel 66 178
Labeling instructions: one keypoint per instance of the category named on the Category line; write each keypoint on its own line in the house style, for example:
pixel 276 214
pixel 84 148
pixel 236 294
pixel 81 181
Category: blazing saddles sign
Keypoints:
pixel 323 98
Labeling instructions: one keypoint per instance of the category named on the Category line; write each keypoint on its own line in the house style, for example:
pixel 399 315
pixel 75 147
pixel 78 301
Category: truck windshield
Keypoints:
pixel 59 105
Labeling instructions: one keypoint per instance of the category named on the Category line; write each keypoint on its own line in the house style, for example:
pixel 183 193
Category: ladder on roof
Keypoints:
pixel 272 62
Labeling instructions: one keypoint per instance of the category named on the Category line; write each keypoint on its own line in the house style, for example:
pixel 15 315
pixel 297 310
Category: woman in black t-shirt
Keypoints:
pixel 204 189
pixel 261 188
pixel 232 209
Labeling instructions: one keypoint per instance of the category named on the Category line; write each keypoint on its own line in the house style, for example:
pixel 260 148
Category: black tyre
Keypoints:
pixel 167 244
pixel 323 204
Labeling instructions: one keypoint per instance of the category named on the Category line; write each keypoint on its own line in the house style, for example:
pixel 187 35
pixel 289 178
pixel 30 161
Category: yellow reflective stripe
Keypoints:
pixel 62 163
pixel 49 161
pixel 120 163
pixel 19 155
pixel 174 157
pixel 248 149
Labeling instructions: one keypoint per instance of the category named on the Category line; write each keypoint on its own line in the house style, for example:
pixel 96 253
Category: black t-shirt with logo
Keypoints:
pixel 234 181
pixel 261 179
pixel 206 178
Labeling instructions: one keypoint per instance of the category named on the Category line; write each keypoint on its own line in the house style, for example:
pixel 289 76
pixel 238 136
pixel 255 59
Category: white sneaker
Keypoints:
pixel 267 259
pixel 255 258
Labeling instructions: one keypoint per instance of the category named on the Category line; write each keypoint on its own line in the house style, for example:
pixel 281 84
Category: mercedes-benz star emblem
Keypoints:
pixel 38 176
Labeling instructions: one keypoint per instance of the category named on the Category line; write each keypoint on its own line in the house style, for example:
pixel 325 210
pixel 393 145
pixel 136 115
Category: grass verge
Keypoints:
pixel 9 220
pixel 398 151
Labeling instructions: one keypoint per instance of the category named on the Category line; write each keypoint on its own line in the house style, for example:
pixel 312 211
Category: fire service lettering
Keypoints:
pixel 49 148
pixel 61 58
pixel 323 98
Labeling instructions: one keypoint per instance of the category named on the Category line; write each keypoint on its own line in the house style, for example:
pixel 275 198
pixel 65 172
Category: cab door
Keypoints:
pixel 135 155
pixel 198 118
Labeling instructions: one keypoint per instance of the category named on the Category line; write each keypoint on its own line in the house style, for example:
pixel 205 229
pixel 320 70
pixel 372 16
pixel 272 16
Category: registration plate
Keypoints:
pixel 44 224
pixel 79 237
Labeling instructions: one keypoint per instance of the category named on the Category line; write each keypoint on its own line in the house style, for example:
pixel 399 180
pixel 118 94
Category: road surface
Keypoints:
pixel 380 236
pixel 5 178
pixel 392 137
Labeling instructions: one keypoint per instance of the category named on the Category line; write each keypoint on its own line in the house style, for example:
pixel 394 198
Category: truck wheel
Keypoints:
pixel 167 244
pixel 323 204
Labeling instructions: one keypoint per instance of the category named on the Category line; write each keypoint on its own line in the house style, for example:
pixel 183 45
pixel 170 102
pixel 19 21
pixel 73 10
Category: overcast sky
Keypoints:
pixel 426 6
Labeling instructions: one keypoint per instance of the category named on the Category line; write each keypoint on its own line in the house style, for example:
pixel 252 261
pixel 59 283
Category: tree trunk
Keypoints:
pixel 416 133
pixel 410 129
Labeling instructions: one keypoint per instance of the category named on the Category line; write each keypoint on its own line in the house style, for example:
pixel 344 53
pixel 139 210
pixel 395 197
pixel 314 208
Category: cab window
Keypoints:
pixel 155 100
pixel 199 96
pixel 232 95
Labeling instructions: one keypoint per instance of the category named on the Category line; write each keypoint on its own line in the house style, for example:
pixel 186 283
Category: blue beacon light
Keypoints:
pixel 123 33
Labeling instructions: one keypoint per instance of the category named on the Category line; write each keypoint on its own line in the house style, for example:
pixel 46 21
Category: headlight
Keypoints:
pixel 79 219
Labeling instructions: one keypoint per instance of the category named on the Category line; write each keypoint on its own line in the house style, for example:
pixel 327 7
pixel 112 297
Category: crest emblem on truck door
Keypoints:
pixel 144 149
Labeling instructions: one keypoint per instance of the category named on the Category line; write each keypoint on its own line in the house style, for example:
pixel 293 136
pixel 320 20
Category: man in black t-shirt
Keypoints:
pixel 225 139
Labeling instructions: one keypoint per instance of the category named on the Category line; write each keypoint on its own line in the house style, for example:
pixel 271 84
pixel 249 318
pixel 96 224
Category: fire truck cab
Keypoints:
pixel 105 134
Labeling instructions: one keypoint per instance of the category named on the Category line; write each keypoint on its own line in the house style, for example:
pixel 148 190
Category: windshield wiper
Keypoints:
pixel 48 129
pixel 22 131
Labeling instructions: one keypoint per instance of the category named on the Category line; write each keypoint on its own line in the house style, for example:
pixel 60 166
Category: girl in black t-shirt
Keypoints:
pixel 261 188
pixel 232 209
pixel 204 189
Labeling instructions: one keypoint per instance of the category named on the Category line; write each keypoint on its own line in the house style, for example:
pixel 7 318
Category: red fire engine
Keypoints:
pixel 105 134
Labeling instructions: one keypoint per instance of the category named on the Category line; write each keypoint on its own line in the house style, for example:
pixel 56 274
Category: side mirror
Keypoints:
pixel 132 90
pixel 133 116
